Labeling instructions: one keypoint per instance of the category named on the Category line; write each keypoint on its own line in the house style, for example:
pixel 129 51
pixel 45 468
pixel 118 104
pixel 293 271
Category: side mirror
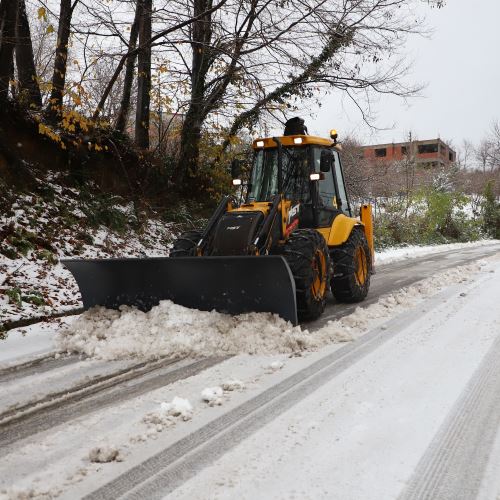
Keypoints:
pixel 235 168
pixel 326 160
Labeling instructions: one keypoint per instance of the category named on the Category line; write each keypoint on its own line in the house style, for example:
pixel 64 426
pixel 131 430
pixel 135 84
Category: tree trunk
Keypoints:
pixel 144 76
pixel 187 164
pixel 201 36
pixel 8 9
pixel 121 120
pixel 61 59
pixel 28 83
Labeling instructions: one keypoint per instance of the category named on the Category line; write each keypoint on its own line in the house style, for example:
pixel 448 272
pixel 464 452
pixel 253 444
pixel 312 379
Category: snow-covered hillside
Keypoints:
pixel 54 221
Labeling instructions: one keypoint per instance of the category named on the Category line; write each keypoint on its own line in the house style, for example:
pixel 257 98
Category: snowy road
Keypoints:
pixel 410 409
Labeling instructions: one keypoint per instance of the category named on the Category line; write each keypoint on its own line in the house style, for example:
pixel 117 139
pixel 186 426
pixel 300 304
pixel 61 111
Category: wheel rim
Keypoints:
pixel 318 286
pixel 361 271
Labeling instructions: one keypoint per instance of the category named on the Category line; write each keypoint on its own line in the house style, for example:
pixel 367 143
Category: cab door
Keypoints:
pixel 327 197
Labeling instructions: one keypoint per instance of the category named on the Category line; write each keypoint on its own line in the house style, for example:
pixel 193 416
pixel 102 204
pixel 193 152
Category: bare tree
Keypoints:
pixel 61 58
pixel 494 159
pixel 25 63
pixel 297 84
pixel 143 76
pixel 154 39
pixel 465 155
pixel 483 154
pixel 8 9
pixel 359 174
pixel 121 120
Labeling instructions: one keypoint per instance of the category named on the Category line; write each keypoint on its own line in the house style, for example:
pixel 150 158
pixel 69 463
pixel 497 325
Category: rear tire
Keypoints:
pixel 351 268
pixel 185 244
pixel 307 255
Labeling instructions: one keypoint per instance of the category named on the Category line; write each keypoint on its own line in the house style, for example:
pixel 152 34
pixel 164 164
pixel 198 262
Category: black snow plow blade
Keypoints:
pixel 232 285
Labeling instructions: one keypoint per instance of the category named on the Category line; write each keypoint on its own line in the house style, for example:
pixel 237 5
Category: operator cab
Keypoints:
pixel 311 176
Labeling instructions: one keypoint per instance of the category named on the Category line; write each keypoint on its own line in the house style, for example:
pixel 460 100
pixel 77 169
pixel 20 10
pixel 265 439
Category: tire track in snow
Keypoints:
pixel 168 469
pixel 34 366
pixel 112 389
pixel 453 466
pixel 86 386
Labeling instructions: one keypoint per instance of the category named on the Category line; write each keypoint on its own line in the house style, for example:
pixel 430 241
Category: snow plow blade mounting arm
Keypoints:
pixel 232 285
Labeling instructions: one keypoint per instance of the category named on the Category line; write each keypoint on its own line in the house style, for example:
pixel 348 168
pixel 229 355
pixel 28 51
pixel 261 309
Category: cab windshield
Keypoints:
pixel 264 178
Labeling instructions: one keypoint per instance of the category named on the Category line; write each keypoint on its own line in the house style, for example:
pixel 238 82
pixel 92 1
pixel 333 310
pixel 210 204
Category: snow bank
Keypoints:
pixel 172 330
pixel 410 252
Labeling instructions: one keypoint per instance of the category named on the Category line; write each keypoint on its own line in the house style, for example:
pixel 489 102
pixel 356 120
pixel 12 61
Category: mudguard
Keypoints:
pixel 230 284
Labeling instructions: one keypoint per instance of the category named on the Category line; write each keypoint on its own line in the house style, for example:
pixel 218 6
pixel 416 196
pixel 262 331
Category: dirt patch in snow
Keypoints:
pixel 29 494
pixel 105 454
pixel 233 385
pixel 172 330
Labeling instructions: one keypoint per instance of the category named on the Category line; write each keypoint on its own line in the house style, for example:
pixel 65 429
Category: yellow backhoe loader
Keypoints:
pixel 290 240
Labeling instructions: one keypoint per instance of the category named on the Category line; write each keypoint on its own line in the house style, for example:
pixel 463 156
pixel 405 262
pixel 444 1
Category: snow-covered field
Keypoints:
pixel 359 434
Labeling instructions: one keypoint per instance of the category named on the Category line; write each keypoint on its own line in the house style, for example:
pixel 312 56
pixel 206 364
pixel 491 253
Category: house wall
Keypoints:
pixel 399 151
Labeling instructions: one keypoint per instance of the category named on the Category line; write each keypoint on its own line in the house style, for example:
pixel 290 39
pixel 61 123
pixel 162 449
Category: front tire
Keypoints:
pixel 185 245
pixel 307 255
pixel 351 268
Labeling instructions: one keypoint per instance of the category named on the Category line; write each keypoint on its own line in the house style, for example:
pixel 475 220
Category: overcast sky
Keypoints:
pixel 460 64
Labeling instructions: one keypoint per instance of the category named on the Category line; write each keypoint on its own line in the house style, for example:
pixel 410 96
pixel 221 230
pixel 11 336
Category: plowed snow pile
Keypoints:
pixel 172 330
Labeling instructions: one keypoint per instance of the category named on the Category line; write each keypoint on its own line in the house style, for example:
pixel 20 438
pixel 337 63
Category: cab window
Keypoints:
pixel 341 184
pixel 326 186
pixel 264 178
